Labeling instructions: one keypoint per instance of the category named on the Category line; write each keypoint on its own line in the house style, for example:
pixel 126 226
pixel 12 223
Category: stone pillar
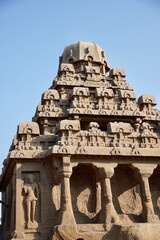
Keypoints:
pixel 108 213
pixel 66 211
pixel 18 234
pixel 146 171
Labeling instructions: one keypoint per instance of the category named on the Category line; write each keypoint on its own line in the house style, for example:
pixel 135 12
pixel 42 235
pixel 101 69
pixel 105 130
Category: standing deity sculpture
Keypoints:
pixel 30 192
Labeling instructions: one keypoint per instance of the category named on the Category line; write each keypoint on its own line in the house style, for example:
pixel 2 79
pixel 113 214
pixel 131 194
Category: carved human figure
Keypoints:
pixel 31 193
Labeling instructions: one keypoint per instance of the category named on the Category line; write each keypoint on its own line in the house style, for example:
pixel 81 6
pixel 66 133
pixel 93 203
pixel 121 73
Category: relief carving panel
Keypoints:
pixel 31 199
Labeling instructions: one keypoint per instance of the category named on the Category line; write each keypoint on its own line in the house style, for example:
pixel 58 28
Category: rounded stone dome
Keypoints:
pixel 84 51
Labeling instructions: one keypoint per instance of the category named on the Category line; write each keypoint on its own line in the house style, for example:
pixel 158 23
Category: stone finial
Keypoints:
pixel 84 51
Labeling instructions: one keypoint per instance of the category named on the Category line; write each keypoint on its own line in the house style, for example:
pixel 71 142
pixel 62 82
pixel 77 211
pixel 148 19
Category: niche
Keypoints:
pixel 31 199
pixel 154 181
pixel 83 192
pixel 126 194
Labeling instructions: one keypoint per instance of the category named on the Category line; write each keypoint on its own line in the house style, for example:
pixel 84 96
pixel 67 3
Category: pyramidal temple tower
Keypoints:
pixel 88 164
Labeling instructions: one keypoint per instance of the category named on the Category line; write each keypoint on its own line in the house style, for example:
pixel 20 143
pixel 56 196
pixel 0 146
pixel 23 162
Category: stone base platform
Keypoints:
pixel 138 231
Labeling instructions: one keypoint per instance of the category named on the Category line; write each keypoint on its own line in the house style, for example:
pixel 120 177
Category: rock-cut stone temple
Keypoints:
pixel 88 164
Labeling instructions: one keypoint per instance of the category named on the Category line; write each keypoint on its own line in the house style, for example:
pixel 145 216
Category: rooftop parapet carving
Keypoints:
pixel 66 68
pixel 146 104
pixel 67 130
pixel 104 92
pixel 127 98
pixel 80 97
pixel 50 94
pixel 80 91
pixel 73 125
pixel 146 99
pixel 28 128
pixel 126 94
pixel 119 127
pixel 49 105
pixel 117 73
pixel 26 132
pixel 28 138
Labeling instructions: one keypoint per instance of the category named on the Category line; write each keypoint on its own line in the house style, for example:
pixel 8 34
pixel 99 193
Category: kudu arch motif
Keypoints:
pixel 88 164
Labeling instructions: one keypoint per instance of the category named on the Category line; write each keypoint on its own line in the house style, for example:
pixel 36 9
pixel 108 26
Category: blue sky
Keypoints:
pixel 33 34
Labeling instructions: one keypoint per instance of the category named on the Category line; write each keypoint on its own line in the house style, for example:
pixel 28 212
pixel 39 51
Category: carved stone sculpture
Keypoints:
pixel 88 164
pixel 30 191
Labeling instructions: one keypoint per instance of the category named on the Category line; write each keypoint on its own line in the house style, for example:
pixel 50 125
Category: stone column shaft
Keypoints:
pixel 66 213
pixel 145 189
pixel 108 214
pixel 18 205
pixel 148 210
pixel 66 195
pixel 106 191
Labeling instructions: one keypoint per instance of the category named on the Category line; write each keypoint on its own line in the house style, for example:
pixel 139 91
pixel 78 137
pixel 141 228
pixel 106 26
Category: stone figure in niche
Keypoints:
pixel 30 192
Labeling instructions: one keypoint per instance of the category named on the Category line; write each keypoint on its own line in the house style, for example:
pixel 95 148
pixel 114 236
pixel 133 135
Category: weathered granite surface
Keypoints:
pixel 88 165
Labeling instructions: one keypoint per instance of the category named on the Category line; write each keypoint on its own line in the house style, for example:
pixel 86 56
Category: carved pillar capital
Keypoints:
pixel 146 170
pixel 66 172
pixel 106 172
pixel 66 169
